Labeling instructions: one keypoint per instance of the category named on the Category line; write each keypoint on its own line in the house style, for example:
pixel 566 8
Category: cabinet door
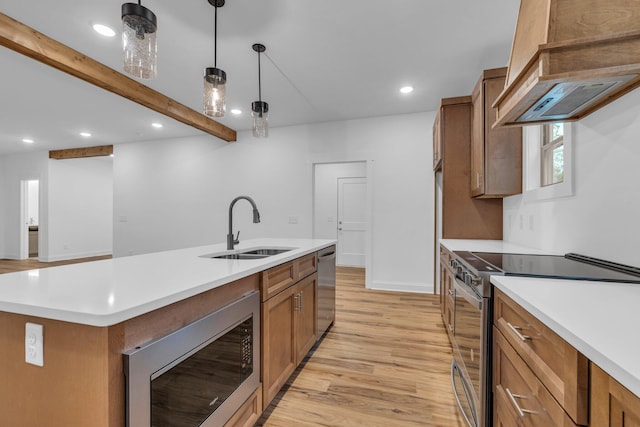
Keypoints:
pixel 477 140
pixel 612 405
pixel 437 145
pixel 278 336
pixel 306 326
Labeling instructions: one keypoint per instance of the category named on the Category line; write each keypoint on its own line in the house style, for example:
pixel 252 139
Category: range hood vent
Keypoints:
pixel 568 59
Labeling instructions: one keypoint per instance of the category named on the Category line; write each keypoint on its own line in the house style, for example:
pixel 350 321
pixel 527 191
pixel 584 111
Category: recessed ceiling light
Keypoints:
pixel 236 111
pixel 406 89
pixel 27 140
pixel 156 125
pixel 85 134
pixel 103 30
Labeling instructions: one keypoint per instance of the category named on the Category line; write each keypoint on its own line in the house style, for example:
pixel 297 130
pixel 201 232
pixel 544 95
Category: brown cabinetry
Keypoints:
pixel 496 154
pixel 537 374
pixel 249 412
pixel 462 216
pixel 612 405
pixel 288 320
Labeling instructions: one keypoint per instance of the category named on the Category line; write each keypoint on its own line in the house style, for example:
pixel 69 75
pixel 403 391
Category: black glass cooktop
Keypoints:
pixel 570 266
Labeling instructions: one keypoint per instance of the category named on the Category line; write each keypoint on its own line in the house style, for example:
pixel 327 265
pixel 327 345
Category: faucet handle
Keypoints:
pixel 237 239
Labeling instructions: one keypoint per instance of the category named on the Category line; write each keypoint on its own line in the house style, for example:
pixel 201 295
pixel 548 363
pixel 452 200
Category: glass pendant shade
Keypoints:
pixel 260 114
pixel 139 45
pixel 215 92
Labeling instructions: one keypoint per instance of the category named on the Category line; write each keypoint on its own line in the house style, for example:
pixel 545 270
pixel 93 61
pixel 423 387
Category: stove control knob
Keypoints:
pixel 471 279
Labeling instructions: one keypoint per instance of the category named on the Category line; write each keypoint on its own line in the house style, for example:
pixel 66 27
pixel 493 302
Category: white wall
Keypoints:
pixel 176 193
pixel 601 218
pixel 80 208
pixel 325 195
pixel 33 203
pixel 76 199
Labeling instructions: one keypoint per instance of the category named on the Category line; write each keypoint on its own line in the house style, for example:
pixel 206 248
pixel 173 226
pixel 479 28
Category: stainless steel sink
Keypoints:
pixel 266 251
pixel 248 254
pixel 239 256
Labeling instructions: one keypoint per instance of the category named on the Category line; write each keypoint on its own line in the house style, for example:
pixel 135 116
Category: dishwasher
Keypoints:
pixel 326 289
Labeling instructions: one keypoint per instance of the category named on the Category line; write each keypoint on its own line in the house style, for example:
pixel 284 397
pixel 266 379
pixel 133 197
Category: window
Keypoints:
pixel 552 155
pixel 547 161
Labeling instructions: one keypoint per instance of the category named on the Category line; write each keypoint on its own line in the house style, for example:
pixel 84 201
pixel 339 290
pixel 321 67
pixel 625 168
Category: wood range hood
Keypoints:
pixel 568 59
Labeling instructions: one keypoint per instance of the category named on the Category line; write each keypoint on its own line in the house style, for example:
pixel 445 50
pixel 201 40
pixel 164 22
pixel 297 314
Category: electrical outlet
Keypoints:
pixel 33 344
pixel 293 220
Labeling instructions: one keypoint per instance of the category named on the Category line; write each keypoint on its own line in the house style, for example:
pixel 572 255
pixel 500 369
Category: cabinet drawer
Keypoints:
pixel 307 265
pixel 277 279
pixel 249 412
pixel 559 366
pixel 519 394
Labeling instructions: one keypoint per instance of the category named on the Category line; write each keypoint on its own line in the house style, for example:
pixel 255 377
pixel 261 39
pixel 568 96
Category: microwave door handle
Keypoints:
pixel 468 294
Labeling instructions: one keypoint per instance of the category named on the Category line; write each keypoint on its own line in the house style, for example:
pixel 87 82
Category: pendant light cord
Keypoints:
pixel 259 80
pixel 215 38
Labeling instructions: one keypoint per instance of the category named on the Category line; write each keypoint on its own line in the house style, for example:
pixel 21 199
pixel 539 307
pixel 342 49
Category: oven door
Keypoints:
pixel 468 368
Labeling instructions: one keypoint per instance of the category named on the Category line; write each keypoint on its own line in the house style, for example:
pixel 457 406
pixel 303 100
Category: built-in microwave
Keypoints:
pixel 199 375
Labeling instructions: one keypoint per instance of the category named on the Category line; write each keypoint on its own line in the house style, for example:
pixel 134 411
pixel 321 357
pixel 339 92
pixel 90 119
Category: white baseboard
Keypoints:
pixel 422 288
pixel 62 257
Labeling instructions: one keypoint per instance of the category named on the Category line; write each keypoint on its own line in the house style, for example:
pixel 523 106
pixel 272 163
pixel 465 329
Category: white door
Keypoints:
pixel 352 222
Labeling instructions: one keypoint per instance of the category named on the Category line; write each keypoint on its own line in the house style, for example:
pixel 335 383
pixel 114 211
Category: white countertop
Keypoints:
pixel 473 245
pixel 599 319
pixel 107 292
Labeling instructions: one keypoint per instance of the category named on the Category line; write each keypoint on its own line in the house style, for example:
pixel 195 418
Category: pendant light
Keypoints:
pixel 215 80
pixel 259 108
pixel 139 45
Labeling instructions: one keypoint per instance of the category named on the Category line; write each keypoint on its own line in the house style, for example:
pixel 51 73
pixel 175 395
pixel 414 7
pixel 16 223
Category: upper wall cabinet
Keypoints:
pixel 570 58
pixel 463 217
pixel 496 154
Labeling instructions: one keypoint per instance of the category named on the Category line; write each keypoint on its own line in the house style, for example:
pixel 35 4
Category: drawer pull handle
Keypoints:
pixel 516 330
pixel 512 397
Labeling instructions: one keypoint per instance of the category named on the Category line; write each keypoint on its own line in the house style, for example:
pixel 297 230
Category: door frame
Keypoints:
pixel 368 239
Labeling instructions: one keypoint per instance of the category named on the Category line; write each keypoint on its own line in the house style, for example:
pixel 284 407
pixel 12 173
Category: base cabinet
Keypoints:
pixel 289 327
pixel 612 405
pixel 249 412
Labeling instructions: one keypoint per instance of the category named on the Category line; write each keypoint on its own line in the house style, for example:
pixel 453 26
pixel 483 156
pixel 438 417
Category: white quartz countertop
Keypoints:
pixel 599 319
pixel 501 246
pixel 107 292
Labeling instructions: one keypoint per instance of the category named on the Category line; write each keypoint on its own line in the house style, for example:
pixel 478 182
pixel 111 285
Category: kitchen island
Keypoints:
pixel 93 312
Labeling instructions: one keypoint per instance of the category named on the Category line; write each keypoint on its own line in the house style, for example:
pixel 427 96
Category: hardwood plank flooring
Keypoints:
pixel 11 265
pixel 385 362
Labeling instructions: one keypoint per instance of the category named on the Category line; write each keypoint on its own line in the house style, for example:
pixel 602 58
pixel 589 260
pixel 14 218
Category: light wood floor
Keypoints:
pixel 385 362
pixel 10 265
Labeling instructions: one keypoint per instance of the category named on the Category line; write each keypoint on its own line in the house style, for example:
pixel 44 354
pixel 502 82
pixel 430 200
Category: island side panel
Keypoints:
pixel 71 389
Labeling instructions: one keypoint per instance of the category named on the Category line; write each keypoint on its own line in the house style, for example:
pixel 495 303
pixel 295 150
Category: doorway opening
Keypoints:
pixel 341 210
pixel 30 219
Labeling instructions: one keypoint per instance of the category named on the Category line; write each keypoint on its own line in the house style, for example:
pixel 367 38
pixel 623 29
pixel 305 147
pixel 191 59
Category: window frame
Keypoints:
pixel 532 168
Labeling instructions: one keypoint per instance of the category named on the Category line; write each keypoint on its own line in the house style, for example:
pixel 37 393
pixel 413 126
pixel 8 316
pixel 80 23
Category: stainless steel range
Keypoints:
pixel 473 313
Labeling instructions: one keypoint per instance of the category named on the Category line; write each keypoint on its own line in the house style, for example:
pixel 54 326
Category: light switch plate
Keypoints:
pixel 33 344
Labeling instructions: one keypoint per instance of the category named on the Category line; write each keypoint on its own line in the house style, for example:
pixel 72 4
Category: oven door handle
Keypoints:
pixel 468 294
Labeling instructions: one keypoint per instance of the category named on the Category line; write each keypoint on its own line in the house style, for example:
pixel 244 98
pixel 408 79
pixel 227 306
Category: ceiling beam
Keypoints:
pixel 77 153
pixel 27 41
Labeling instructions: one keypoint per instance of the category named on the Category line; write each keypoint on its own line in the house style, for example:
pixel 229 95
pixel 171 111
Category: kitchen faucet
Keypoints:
pixel 256 219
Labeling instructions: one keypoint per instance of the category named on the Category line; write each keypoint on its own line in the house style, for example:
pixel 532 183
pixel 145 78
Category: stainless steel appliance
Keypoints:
pixel 473 313
pixel 326 289
pixel 199 375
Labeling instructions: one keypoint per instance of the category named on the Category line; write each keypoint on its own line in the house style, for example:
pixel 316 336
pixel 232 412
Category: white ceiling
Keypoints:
pixel 325 60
